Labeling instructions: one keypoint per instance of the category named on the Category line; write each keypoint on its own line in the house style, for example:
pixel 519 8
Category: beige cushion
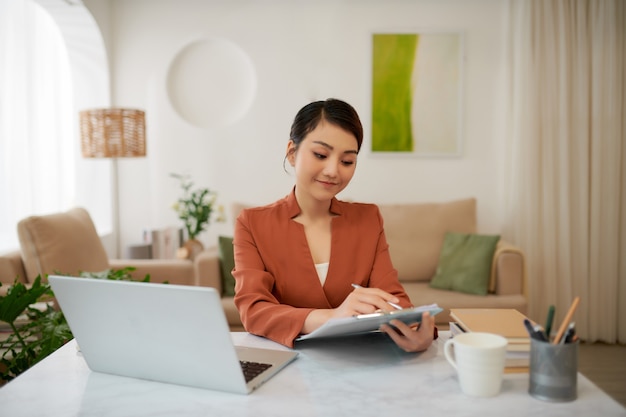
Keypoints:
pixel 173 271
pixel 415 233
pixel 421 293
pixel 67 243
pixel 232 314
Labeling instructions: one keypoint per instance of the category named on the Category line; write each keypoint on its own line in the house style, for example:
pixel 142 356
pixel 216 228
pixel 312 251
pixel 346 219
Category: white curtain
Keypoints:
pixel 567 159
pixel 36 118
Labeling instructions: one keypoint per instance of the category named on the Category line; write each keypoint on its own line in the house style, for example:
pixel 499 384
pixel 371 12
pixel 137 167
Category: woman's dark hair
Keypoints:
pixel 331 110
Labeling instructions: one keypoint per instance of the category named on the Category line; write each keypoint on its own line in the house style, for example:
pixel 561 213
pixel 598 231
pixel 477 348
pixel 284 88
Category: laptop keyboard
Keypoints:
pixel 252 369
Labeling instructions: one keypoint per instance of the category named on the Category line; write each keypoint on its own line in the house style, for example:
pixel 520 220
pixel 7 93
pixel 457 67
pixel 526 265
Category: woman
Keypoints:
pixel 296 260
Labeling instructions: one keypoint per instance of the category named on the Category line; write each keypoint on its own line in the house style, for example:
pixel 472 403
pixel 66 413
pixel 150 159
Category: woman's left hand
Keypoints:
pixel 410 339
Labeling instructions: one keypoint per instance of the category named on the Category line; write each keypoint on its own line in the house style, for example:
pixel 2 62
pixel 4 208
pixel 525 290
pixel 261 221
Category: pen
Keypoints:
pixel 569 334
pixel 566 320
pixel 549 321
pixel 535 332
pixel 540 333
pixel 394 305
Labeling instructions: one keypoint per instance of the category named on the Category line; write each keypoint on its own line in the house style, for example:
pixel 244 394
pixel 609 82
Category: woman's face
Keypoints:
pixel 325 161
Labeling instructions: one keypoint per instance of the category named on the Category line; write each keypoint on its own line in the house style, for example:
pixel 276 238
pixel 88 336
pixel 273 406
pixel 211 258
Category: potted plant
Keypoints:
pixel 34 332
pixel 196 208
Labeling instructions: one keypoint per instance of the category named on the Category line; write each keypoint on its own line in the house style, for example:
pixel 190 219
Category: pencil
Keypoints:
pixel 566 320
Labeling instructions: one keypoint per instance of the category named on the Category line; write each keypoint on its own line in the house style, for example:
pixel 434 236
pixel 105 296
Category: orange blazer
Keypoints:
pixel 277 285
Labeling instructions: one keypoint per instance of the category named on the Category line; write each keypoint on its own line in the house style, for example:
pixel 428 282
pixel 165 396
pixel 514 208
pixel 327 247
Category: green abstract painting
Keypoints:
pixel 416 93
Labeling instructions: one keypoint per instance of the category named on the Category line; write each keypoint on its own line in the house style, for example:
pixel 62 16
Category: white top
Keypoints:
pixel 322 271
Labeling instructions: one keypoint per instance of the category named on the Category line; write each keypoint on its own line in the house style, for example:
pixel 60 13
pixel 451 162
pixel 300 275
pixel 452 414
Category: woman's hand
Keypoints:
pixel 410 339
pixel 359 301
pixel 365 301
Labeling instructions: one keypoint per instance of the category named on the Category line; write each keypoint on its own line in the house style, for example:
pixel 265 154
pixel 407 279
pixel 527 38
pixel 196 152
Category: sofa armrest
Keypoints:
pixel 207 269
pixel 12 268
pixel 508 270
pixel 174 271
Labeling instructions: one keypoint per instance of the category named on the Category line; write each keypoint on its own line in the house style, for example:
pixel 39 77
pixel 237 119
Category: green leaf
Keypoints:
pixel 19 297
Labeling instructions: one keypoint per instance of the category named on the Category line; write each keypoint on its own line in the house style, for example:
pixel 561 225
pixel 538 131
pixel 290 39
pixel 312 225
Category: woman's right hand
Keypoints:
pixel 365 301
pixel 359 301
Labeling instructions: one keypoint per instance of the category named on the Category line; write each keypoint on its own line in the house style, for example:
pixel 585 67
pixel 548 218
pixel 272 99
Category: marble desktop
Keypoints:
pixel 355 376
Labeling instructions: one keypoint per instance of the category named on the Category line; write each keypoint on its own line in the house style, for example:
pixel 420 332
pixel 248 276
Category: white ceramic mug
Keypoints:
pixel 479 361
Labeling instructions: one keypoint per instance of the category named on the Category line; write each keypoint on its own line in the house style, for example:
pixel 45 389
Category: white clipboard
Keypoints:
pixel 364 323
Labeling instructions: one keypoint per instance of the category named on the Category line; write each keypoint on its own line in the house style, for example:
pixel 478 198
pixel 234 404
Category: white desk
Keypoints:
pixel 354 377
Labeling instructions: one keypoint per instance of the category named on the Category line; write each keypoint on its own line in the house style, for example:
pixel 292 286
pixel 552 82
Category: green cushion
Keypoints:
pixel 465 263
pixel 227 263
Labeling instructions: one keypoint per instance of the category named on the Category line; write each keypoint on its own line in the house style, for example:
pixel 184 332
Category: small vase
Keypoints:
pixel 190 249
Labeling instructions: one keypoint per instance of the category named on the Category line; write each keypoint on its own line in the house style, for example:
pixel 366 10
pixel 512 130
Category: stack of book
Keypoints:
pixel 164 242
pixel 506 322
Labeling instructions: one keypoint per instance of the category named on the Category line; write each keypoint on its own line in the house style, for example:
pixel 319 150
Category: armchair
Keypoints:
pixel 69 243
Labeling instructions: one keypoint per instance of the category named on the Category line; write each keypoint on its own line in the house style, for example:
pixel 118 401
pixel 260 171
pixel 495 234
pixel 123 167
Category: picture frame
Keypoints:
pixel 417 84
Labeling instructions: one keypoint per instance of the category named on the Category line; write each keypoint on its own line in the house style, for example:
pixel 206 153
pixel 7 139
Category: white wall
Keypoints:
pixel 301 51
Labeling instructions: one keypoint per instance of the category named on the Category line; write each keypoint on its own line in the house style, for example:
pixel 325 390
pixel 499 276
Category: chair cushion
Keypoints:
pixel 422 293
pixel 227 263
pixel 67 243
pixel 415 233
pixel 465 263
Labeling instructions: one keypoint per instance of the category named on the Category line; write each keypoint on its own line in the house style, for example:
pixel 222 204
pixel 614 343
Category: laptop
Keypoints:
pixel 176 334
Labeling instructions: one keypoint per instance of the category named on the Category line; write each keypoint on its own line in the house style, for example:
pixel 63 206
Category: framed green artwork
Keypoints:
pixel 416 94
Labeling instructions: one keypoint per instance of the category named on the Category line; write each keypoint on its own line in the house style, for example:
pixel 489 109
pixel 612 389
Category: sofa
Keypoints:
pixel 68 243
pixel 415 232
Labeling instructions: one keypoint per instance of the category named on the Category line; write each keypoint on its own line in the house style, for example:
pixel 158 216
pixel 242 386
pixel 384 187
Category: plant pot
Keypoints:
pixel 190 249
